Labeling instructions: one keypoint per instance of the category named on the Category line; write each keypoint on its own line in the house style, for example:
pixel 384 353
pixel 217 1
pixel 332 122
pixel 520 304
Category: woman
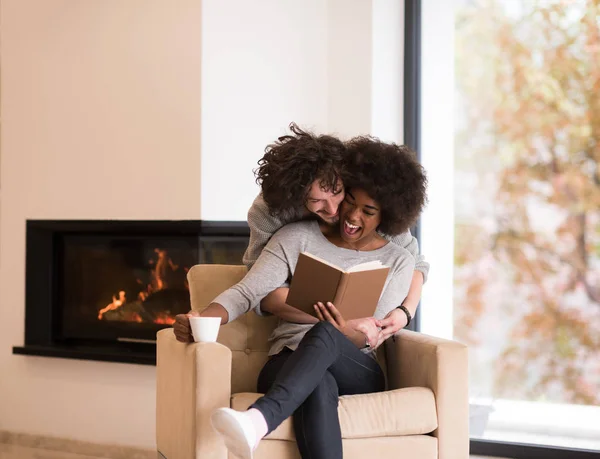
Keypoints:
pixel 311 365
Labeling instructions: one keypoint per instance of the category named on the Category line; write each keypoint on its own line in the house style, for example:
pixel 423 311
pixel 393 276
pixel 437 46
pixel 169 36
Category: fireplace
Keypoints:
pixel 100 290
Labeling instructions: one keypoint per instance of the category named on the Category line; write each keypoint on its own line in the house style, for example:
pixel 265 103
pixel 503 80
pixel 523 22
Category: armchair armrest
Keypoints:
pixel 191 381
pixel 415 359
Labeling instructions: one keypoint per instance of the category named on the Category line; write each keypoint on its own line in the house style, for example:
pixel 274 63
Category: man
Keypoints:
pixel 301 177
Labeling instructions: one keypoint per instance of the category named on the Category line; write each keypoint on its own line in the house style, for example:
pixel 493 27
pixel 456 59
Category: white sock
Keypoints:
pixel 259 422
pixel 237 430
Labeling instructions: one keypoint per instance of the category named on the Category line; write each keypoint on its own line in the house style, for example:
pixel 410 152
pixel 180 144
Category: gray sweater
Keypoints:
pixel 277 263
pixel 263 225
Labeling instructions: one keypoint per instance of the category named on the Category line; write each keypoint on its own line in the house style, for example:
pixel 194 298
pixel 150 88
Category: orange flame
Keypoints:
pixel 116 304
pixel 164 319
pixel 164 264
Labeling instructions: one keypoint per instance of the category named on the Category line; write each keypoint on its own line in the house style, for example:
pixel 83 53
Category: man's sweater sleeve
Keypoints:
pixel 262 226
pixel 398 287
pixel 270 271
pixel 410 243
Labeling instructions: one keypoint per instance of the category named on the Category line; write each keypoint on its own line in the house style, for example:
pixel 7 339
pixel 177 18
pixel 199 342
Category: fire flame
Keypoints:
pixel 116 304
pixel 163 266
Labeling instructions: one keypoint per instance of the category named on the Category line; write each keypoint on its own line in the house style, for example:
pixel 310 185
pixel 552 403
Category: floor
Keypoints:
pixel 21 452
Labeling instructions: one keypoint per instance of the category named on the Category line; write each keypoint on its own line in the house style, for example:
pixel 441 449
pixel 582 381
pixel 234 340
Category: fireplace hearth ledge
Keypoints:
pixel 143 354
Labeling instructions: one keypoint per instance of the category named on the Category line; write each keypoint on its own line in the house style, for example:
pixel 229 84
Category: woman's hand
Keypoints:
pixel 182 328
pixel 358 331
pixel 330 314
pixel 394 321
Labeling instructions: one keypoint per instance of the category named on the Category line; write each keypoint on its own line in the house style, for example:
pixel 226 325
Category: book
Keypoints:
pixel 355 292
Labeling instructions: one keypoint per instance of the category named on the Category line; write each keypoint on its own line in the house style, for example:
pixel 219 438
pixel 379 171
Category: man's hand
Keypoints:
pixel 394 321
pixel 275 304
pixel 370 327
pixel 181 327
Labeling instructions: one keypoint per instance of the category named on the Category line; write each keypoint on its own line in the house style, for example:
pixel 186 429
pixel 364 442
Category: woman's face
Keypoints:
pixel 360 216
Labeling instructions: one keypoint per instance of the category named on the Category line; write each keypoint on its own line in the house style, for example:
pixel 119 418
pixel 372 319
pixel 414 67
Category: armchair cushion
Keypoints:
pixel 409 411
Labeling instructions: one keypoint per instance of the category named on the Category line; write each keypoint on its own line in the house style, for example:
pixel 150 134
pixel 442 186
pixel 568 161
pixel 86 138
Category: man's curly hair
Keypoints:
pixel 392 176
pixel 291 164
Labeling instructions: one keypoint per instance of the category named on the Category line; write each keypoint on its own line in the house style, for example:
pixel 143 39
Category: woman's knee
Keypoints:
pixel 323 335
pixel 322 328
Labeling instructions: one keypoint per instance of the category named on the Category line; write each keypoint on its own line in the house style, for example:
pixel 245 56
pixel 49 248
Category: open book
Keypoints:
pixel 355 292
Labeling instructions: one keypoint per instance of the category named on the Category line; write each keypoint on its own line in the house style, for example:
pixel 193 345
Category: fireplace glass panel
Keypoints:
pixel 111 284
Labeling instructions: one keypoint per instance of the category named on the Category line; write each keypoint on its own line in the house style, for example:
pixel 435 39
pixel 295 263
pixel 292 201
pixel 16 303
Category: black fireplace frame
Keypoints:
pixel 43 241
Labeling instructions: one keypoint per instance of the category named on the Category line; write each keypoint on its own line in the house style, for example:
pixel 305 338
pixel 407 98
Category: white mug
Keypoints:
pixel 205 329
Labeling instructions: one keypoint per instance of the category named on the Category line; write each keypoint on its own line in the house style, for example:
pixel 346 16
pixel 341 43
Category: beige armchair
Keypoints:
pixel 423 415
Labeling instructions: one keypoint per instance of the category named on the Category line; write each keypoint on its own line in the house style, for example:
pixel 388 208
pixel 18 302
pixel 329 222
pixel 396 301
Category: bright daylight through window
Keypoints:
pixel 511 141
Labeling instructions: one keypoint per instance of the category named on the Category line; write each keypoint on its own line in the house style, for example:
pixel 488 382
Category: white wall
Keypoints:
pixel 387 70
pixel 350 52
pixel 264 64
pixel 437 141
pixel 100 120
pixel 267 63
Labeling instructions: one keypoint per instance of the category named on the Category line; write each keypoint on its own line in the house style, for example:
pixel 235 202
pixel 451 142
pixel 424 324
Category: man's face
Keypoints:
pixel 325 203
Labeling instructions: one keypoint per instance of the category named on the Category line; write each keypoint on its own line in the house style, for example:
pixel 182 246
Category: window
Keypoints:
pixel 510 138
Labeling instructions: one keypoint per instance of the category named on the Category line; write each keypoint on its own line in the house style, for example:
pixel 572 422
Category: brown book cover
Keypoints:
pixel 354 292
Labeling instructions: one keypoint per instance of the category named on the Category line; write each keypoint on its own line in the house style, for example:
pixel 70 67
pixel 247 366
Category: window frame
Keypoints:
pixel 412 100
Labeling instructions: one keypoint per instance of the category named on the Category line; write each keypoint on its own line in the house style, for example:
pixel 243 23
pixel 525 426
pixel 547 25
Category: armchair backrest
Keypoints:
pixel 247 336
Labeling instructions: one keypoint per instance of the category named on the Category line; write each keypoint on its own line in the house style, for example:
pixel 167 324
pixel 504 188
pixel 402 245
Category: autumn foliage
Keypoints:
pixel 527 276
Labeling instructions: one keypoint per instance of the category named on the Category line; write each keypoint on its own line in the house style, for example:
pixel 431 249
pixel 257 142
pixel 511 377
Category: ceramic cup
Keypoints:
pixel 205 329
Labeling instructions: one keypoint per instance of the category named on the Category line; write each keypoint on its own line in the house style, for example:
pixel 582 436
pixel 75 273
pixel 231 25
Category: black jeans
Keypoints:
pixel 307 383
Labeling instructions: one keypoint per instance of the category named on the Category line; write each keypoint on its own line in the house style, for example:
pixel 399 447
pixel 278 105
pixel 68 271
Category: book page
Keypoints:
pixel 368 266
